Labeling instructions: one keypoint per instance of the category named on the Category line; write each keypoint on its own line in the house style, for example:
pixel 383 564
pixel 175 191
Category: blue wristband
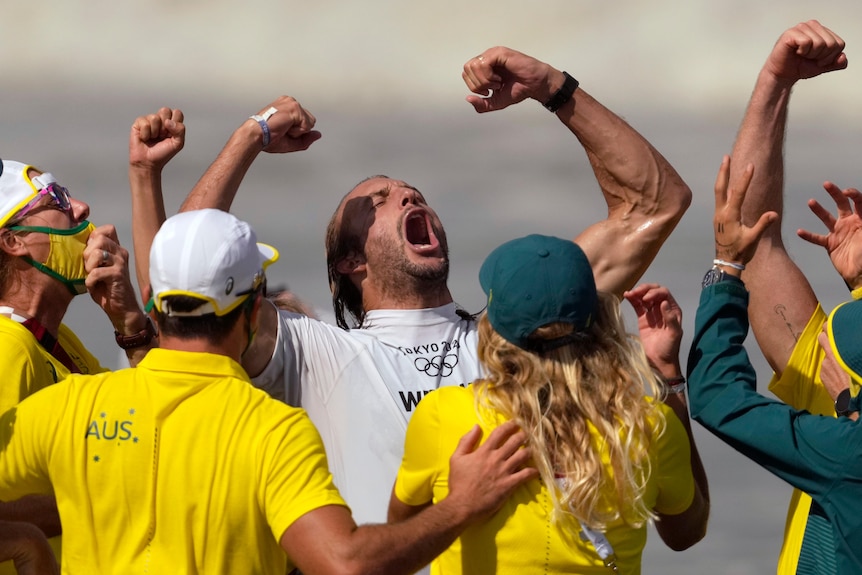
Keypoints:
pixel 261 119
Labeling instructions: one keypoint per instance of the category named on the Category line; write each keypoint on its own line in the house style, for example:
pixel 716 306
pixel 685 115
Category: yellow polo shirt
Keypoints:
pixel 27 367
pixel 520 539
pixel 177 466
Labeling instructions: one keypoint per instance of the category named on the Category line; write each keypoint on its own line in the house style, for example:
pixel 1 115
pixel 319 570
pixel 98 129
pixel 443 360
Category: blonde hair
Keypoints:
pixel 600 381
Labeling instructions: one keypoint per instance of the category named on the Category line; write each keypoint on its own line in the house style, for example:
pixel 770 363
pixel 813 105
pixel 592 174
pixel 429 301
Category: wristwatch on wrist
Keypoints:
pixel 140 339
pixel 713 276
pixel 845 404
pixel 716 275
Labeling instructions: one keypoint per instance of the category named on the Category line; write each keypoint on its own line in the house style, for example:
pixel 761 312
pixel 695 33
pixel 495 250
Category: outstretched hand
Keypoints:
pixel 734 241
pixel 843 243
pixel 502 77
pixel 660 326
pixel 156 138
pixel 804 51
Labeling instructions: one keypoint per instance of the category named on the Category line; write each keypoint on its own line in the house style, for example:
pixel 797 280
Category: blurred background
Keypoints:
pixel 384 80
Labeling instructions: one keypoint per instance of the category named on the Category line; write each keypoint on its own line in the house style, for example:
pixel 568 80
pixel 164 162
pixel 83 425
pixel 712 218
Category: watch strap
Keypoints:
pixel 563 95
pixel 139 339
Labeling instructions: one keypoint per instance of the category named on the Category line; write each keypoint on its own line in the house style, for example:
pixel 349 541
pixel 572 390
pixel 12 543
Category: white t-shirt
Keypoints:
pixel 360 388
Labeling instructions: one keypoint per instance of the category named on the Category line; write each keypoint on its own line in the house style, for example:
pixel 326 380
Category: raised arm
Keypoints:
pixel 289 128
pixel 660 328
pixel 645 196
pixel 481 478
pixel 110 285
pixel 153 141
pixel 779 310
pixel 808 451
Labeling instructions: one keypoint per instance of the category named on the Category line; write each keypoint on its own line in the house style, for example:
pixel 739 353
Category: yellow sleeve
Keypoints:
pixel 296 475
pixel 27 433
pixel 799 385
pixel 21 379
pixel 421 463
pixel 673 470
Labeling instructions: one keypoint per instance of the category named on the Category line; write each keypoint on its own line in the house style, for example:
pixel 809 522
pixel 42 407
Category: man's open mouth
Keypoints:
pixel 418 231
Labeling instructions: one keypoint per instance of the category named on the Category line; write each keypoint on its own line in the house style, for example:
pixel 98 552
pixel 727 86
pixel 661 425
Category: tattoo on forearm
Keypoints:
pixel 779 310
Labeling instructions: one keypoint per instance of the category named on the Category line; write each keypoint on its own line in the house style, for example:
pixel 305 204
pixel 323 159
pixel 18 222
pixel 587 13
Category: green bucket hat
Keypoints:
pixel 534 281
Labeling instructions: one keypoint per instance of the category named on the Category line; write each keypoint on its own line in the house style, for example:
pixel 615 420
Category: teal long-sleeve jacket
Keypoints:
pixel 820 455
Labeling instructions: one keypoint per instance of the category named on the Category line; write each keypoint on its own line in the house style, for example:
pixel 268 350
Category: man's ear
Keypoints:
pixel 352 263
pixel 12 244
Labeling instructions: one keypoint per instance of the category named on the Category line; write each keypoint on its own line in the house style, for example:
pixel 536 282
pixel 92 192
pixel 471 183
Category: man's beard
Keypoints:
pixel 398 273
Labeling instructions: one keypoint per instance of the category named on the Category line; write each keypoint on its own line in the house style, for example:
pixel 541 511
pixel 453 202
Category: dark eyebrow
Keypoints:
pixel 382 193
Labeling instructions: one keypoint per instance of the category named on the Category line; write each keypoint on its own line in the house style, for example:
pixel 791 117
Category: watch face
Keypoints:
pixel 842 402
pixel 714 275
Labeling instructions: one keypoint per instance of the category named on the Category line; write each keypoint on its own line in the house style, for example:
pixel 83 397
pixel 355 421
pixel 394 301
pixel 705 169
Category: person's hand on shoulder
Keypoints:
pixel 482 478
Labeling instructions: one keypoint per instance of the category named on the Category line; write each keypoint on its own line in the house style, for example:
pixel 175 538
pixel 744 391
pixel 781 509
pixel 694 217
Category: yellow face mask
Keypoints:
pixel 65 261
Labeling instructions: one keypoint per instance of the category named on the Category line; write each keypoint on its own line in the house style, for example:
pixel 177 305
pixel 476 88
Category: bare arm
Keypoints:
pixel 660 327
pixel 291 130
pixel 778 311
pixel 645 196
pixel 328 541
pixel 681 531
pixel 40 510
pixel 26 546
pixel 153 141
pixel 399 511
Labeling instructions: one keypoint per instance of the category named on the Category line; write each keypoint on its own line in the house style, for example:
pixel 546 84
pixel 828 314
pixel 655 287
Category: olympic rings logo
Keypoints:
pixel 439 365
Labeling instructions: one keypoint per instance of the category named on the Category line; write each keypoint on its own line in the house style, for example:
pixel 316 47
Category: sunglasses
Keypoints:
pixel 46 185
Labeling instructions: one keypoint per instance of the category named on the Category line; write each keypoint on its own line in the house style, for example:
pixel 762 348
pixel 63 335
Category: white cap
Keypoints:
pixel 208 254
pixel 16 189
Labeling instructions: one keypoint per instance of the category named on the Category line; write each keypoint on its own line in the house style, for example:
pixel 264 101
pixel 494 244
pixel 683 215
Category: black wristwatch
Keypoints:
pixel 845 404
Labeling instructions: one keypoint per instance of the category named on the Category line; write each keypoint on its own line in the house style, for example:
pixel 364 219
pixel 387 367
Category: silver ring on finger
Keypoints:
pixel 105 256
